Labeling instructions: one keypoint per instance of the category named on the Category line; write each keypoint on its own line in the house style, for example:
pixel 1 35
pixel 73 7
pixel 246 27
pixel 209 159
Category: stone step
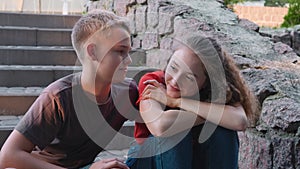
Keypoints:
pixel 51 55
pixel 30 36
pixel 8 123
pixel 23 97
pixel 38 20
pixel 30 76
pixel 37 55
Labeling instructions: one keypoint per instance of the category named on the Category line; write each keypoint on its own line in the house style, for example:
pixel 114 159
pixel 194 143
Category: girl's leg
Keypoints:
pixel 220 151
pixel 163 154
pixel 137 157
pixel 178 157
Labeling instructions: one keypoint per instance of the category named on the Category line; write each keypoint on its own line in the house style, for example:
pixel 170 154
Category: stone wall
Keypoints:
pixel 270 68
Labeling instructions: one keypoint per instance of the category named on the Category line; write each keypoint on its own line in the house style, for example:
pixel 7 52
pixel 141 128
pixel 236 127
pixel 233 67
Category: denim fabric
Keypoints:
pixel 220 151
pixel 178 157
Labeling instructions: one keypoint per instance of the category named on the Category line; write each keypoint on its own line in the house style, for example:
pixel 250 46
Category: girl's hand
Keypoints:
pixel 157 91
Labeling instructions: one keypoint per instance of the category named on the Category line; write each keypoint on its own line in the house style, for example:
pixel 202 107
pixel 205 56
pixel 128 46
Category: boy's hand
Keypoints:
pixel 110 163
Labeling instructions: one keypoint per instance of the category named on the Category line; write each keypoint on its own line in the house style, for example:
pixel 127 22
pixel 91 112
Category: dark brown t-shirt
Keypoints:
pixel 68 128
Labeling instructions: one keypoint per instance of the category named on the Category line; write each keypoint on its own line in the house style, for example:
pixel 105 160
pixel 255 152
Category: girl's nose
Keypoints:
pixel 176 79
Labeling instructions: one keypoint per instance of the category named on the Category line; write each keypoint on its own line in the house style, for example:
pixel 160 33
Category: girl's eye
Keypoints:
pixel 173 67
pixel 189 77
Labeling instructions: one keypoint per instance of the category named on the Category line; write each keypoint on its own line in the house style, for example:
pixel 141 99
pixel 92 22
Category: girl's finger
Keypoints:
pixel 152 82
pixel 148 87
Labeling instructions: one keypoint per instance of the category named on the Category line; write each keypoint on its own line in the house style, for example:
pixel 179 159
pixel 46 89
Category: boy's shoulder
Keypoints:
pixel 63 84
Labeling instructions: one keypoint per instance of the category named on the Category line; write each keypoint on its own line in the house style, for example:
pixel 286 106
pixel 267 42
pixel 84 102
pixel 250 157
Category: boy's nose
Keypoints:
pixel 127 60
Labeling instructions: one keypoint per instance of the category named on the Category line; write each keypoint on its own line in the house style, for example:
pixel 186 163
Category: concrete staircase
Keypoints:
pixel 36 50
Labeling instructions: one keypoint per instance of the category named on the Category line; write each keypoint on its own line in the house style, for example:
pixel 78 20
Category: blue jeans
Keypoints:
pixel 162 153
pixel 220 151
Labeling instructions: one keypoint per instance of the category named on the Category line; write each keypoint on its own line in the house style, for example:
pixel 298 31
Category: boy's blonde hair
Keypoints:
pixel 92 22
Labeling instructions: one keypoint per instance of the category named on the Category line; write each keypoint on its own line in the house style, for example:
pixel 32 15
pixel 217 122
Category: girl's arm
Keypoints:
pixel 166 123
pixel 231 117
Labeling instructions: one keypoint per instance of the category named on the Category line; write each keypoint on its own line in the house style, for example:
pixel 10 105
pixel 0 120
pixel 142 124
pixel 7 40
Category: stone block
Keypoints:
pixel 140 19
pixel 138 57
pixel 255 151
pixel 281 112
pixel 136 42
pixel 153 5
pixel 120 6
pixel 150 41
pixel 296 40
pixel 132 22
pixel 152 20
pixel 167 15
pixel 184 26
pixel 283 151
pixel 166 23
pixel 158 58
pixel 166 43
pixel 141 1
pixel 282 48
pixel 297 152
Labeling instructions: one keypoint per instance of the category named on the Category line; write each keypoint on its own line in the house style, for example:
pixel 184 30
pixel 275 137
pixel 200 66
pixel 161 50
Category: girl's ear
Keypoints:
pixel 91 50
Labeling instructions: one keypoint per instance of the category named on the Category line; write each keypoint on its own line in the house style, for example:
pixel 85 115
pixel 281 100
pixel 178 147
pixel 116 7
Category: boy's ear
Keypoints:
pixel 91 50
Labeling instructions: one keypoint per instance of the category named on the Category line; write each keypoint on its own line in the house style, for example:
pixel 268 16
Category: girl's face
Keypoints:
pixel 184 74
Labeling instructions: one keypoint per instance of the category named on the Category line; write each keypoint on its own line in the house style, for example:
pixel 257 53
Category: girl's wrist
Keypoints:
pixel 177 102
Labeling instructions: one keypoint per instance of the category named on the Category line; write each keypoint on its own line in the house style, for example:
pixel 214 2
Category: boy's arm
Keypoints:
pixel 16 153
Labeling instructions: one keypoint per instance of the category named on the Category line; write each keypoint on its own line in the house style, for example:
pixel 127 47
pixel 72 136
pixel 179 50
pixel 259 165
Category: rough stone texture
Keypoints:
pixel 289 36
pixel 245 23
pixel 150 40
pixel 140 18
pixel 296 39
pixel 255 151
pixel 158 58
pixel 166 43
pixel 132 22
pixel 136 42
pixel 270 67
pixel 283 152
pixel 120 6
pixel 167 15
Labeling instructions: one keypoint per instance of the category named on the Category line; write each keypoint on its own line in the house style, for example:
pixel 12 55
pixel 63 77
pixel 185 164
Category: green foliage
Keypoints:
pixel 276 3
pixel 292 18
pixel 231 2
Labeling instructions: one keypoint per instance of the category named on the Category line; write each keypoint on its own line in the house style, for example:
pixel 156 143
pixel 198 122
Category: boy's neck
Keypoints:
pixel 101 92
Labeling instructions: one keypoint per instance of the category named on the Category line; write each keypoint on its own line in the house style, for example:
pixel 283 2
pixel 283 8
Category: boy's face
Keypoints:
pixel 113 57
